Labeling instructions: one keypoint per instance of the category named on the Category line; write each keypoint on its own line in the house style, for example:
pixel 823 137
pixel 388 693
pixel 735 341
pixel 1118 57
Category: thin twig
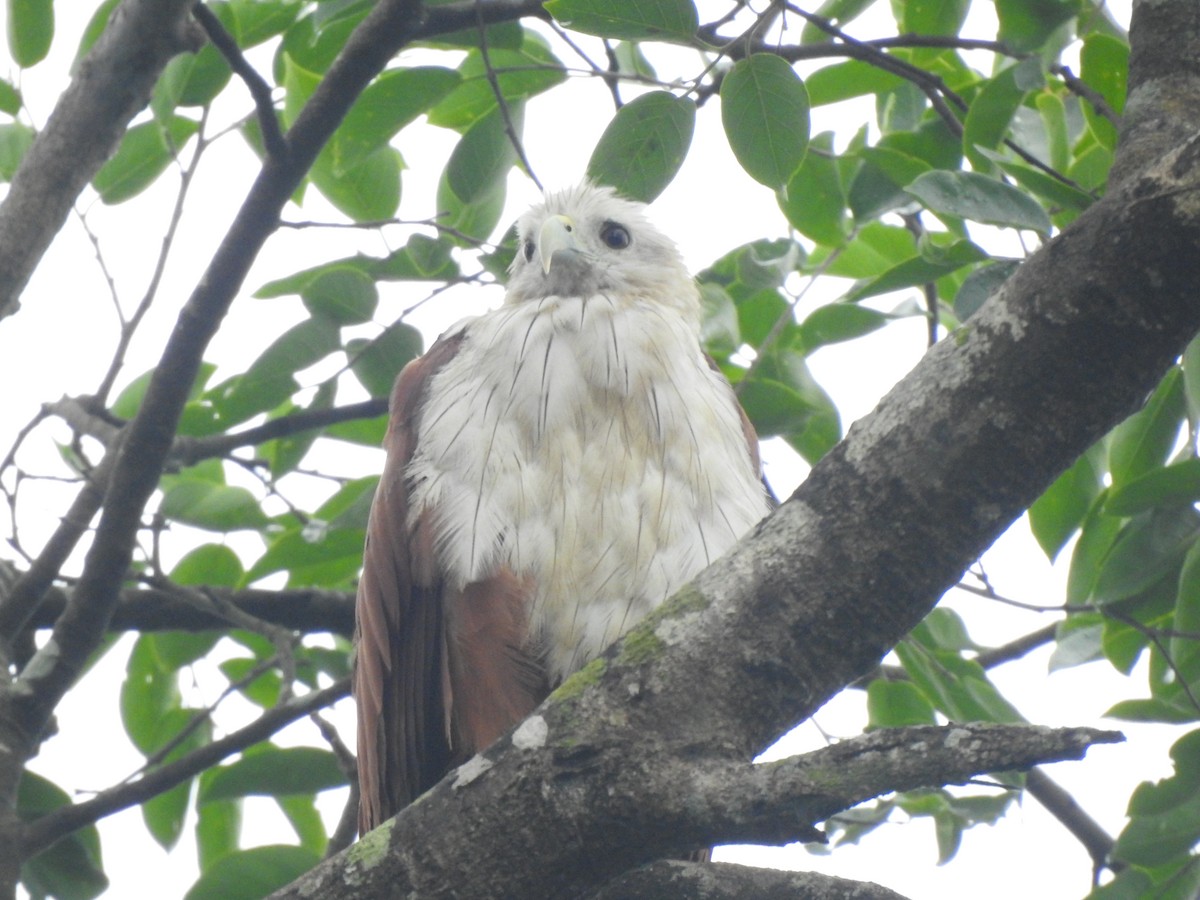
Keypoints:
pixel 501 103
pixel 44 831
pixel 273 139
pixel 130 326
pixel 1088 93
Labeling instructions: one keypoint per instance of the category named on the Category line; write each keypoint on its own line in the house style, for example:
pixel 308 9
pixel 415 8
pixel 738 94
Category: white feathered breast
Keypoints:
pixel 588 446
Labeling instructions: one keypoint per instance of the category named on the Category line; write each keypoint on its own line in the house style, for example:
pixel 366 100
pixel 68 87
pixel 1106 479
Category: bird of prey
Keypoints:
pixel 556 468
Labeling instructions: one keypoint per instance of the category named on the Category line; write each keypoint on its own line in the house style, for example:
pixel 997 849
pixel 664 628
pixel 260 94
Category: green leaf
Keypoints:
pixel 30 30
pixel 1053 112
pixel 264 689
pixel 632 62
pixel 301 811
pixel 164 814
pixel 1175 485
pixel 519 73
pixel 944 629
pixel 969 195
pixel 919 270
pixel 836 322
pixel 256 20
pixel 195 79
pixel 1104 67
pixel 764 109
pixel 15 140
pixel 252 874
pixel 145 153
pixel 980 285
pixel 1096 537
pixel 422 258
pixel 1061 510
pixel 1080 640
pixel 879 183
pixel 896 704
pixel 484 155
pixel 348 508
pixel 1143 441
pixel 1148 548
pixel 71 868
pixel 215 507
pixel 783 398
pixel 273 771
pixel 475 221
pixel 958 687
pixel 933 17
pixel 149 692
pixel 875 249
pixel 376 363
pixel 644 145
pixel 369 192
pixel 176 649
pixel 209 564
pixel 1154 840
pixel 1025 26
pixel 129 401
pixel 314 44
pixel 270 379
pixel 1184 648
pixel 992 110
pixel 1052 191
pixel 719 331
pixel 630 20
pixel 342 294
pixel 284 454
pixel 388 104
pixel 218 828
pixel 846 80
pixel 814 200
pixel 774 407
pixel 10 98
pixel 311 556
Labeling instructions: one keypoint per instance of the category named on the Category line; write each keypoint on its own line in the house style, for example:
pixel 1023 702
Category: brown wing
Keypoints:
pixel 400 659
pixel 439 674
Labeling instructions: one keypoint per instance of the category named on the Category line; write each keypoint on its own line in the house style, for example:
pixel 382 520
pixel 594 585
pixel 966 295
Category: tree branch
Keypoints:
pixel 44 831
pixel 782 801
pixel 726 881
pixel 259 89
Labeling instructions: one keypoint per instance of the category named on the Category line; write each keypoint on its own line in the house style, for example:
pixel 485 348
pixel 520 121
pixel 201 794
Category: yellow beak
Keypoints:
pixel 557 235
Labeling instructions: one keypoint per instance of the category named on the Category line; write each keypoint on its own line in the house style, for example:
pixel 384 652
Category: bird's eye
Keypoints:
pixel 528 251
pixel 615 237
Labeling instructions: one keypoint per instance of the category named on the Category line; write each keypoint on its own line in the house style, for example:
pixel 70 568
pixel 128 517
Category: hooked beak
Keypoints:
pixel 557 236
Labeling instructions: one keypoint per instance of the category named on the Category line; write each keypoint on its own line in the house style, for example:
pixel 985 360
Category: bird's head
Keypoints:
pixel 588 240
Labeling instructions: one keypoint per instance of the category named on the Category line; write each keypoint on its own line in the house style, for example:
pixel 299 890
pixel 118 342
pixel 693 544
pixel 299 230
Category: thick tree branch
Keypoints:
pixel 776 802
pixel 113 83
pixel 259 89
pixel 726 881
pixel 306 610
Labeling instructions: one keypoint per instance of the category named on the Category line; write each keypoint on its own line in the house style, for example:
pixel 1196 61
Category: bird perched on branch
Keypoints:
pixel 555 469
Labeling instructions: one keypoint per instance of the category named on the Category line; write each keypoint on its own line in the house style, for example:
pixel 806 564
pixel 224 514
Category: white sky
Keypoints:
pixel 59 342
